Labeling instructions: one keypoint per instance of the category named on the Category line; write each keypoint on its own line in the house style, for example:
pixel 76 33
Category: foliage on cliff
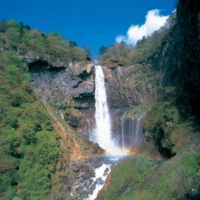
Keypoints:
pixel 30 156
pixel 51 47
pixel 169 127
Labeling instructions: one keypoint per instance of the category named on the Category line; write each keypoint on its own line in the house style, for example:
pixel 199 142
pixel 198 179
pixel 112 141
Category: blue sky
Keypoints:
pixel 92 23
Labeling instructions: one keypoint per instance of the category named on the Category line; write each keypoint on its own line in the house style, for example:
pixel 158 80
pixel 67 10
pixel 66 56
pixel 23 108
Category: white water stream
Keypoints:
pixel 89 128
pixel 137 129
pixel 99 173
pixel 103 127
pixel 122 126
pixel 61 114
pixel 133 133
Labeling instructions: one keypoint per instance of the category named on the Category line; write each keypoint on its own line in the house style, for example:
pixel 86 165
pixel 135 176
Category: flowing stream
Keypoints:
pixel 101 174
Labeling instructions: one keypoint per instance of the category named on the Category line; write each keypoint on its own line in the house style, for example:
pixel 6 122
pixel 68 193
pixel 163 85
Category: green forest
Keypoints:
pixel 32 162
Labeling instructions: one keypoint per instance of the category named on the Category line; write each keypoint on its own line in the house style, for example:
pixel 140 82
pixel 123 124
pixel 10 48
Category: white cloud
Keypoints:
pixel 135 32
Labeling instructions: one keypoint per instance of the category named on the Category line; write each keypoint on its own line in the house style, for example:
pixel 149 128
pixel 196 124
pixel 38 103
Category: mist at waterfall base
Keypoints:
pixel 120 142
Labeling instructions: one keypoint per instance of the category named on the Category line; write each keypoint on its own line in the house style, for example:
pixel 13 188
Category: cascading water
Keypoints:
pixel 89 128
pixel 102 133
pixel 133 132
pixel 137 129
pixel 103 127
pixel 122 125
pixel 100 178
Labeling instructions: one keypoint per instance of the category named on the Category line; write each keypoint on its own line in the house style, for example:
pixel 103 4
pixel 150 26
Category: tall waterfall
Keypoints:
pixel 103 127
pixel 137 129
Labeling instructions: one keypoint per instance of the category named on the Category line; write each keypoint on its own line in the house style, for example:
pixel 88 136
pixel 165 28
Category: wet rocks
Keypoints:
pixel 83 172
pixel 99 181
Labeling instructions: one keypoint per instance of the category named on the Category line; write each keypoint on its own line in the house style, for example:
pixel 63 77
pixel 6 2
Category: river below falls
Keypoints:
pixel 97 181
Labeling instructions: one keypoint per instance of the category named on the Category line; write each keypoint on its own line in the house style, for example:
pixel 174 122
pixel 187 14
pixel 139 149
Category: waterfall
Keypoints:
pixel 133 132
pixel 103 127
pixel 61 114
pixel 122 126
pixel 88 128
pixel 137 129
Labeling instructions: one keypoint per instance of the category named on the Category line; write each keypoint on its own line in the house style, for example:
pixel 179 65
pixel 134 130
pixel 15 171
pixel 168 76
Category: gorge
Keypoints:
pixel 66 123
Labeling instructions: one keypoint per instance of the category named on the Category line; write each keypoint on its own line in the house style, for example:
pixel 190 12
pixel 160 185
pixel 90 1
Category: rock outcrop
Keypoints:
pixel 68 85
pixel 126 86
pixel 71 84
pixel 114 75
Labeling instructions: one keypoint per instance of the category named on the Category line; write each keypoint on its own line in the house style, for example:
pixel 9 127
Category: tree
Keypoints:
pixel 27 27
pixel 3 26
pixel 88 51
pixel 102 50
pixel 53 33
pixel 14 25
pixel 72 44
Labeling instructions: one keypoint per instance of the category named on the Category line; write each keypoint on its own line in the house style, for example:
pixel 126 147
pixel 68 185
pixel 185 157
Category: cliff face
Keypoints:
pixel 68 85
pixel 130 85
pixel 184 71
pixel 113 77
pixel 72 84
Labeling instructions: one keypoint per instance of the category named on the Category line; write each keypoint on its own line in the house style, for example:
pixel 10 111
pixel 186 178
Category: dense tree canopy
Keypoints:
pixel 52 47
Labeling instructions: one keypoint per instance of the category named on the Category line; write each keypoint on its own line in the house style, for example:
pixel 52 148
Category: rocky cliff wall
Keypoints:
pixel 130 85
pixel 72 85
pixel 178 58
